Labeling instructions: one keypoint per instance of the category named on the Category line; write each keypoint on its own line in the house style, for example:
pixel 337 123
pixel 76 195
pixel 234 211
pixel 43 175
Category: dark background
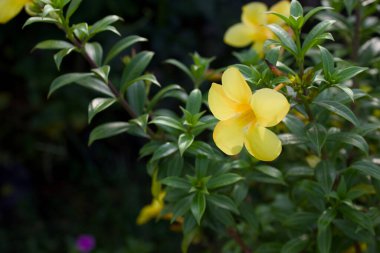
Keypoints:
pixel 54 187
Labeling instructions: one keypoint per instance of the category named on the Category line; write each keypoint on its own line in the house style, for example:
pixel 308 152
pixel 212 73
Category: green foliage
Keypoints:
pixel 319 196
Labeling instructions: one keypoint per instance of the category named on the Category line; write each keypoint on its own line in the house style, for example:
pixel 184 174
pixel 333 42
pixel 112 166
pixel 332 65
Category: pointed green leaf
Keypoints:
pixel 223 180
pixel 102 72
pixel 33 20
pixel 176 182
pixel 107 130
pixel 96 85
pixel 66 79
pixel 351 139
pixel 122 45
pixel 58 57
pixel 317 135
pixel 184 142
pixel 198 206
pixel 97 105
pixel 284 37
pixel 296 9
pixel 327 62
pixel 223 201
pixel 348 73
pixel 74 4
pixel 339 109
pixel 135 68
pixel 95 51
pixel 312 37
pixel 314 11
pixel 53 44
pixel 168 122
pixel 325 174
pixel 295 245
pixel 194 101
pixel 103 24
pixel 164 151
pixel 367 168
pixel 182 67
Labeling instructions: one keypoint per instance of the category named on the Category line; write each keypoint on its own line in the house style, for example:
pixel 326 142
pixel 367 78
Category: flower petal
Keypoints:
pixel 283 8
pixel 259 48
pixel 239 35
pixel 149 212
pixel 229 134
pixel 220 105
pixel 235 86
pixel 262 143
pixel 10 8
pixel 254 14
pixel 269 106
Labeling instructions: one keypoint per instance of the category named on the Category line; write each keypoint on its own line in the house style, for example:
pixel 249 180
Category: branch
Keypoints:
pixel 234 234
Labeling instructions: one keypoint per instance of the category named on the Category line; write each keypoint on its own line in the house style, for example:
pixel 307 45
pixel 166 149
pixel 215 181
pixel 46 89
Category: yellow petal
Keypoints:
pixel 229 134
pixel 259 48
pixel 254 14
pixel 10 8
pixel 149 212
pixel 269 106
pixel 239 35
pixel 283 8
pixel 220 105
pixel 235 86
pixel 262 143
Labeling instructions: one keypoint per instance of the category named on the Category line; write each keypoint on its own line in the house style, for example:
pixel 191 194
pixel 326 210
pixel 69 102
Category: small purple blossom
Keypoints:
pixel 85 243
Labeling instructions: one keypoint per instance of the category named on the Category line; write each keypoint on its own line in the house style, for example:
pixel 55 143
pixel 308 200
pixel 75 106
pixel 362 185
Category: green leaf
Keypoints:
pixel 96 85
pixel 346 90
pixel 296 9
pixel 95 52
pixel 317 135
pixel 360 190
pixel 163 151
pixel 181 207
pixel 194 101
pixel 107 130
pixel 135 68
pixel 184 142
pixel 201 148
pixel 33 20
pixel 326 218
pixel 81 31
pixel 58 57
pixel 271 172
pixel 103 24
pixel 201 166
pixel 327 62
pixel 122 45
pixel 74 4
pixel 177 182
pixel 367 168
pixel 312 37
pixel 351 139
pixel 168 122
pixel 66 79
pixel 291 139
pixel 314 11
pixel 223 201
pixel 198 206
pixel 172 90
pixel 325 174
pixel 53 44
pixel 367 128
pixel 102 72
pixel 188 238
pixel 182 67
pixel 324 238
pixel 295 245
pixel 357 217
pixel 294 124
pixel 286 40
pixel 300 171
pixel 223 180
pixel 136 96
pixel 339 109
pixel 348 73
pixel 97 105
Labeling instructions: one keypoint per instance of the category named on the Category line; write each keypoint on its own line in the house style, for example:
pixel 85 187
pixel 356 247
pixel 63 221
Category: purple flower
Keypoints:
pixel 85 243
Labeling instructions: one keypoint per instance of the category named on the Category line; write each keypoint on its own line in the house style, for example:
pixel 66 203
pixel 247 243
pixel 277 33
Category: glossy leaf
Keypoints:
pixel 164 150
pixel 339 109
pixel 107 130
pixel 327 62
pixel 95 52
pixel 348 73
pixel 182 67
pixel 58 57
pixel 198 206
pixel 184 142
pixel 103 24
pixel 54 44
pixel 97 105
pixel 223 201
pixel 168 122
pixel 312 37
pixel 295 245
pixel 367 168
pixel 223 180
pixel 66 79
pixel 284 37
pixel 194 101
pixel 74 4
pixel 122 45
pixel 351 139
pixel 95 84
pixel 176 182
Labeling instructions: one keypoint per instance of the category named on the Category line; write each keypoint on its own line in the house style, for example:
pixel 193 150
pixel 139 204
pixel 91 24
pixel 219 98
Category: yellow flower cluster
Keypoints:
pixel 151 211
pixel 244 117
pixel 10 8
pixel 252 28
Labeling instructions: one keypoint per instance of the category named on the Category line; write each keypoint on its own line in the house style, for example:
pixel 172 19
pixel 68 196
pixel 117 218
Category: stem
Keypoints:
pixel 234 234
pixel 279 86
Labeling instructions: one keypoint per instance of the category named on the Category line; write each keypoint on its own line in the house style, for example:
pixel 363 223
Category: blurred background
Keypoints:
pixel 53 187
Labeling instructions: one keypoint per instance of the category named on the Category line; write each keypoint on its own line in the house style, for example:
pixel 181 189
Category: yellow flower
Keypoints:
pixel 10 8
pixel 253 28
pixel 363 248
pixel 244 116
pixel 152 210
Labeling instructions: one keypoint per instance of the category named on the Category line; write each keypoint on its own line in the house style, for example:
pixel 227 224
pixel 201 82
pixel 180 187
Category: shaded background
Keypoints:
pixel 53 187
